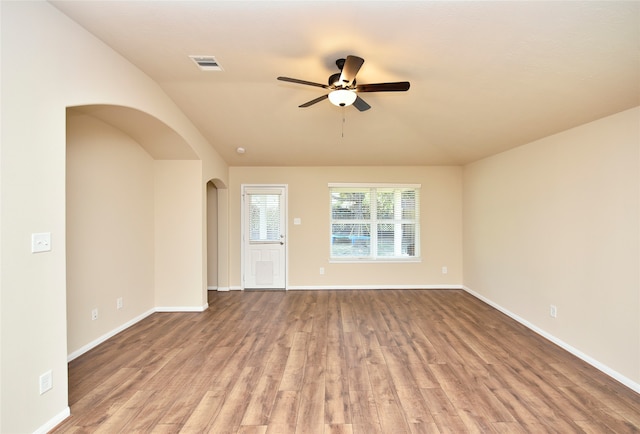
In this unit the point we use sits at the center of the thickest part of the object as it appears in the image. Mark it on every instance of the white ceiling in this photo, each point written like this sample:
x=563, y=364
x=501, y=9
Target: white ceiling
x=485, y=76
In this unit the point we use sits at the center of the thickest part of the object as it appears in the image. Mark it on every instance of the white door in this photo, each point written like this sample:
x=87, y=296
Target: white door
x=264, y=237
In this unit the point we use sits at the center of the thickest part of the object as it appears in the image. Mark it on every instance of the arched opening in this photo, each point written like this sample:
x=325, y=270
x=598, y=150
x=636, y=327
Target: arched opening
x=133, y=205
x=212, y=236
x=216, y=238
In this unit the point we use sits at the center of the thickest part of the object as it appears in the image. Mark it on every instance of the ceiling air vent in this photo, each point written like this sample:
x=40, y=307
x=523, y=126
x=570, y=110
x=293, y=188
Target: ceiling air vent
x=207, y=63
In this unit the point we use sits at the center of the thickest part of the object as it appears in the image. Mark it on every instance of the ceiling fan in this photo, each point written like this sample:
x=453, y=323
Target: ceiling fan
x=343, y=88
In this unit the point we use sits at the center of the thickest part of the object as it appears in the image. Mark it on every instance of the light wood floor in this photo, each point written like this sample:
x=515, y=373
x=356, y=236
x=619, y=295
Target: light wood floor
x=384, y=361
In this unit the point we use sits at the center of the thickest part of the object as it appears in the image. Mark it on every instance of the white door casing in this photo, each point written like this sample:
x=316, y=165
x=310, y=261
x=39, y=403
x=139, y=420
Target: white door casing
x=264, y=236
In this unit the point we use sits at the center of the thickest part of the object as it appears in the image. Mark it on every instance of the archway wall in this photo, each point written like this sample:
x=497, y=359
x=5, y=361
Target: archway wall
x=212, y=236
x=218, y=235
x=50, y=63
x=110, y=214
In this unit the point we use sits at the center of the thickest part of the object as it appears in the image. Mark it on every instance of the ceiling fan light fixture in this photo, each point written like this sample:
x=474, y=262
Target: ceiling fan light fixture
x=342, y=97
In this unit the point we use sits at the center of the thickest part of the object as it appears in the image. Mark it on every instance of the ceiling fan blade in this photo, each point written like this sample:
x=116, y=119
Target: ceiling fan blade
x=313, y=101
x=399, y=86
x=308, y=83
x=350, y=69
x=361, y=105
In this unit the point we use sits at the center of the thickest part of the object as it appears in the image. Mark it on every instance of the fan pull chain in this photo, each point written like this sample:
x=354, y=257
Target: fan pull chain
x=343, y=121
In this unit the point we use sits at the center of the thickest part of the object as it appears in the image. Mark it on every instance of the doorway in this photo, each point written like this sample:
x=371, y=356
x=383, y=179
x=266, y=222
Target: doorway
x=264, y=235
x=212, y=236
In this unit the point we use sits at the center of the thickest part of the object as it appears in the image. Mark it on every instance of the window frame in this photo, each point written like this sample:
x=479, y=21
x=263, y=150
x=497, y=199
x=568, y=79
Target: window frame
x=374, y=221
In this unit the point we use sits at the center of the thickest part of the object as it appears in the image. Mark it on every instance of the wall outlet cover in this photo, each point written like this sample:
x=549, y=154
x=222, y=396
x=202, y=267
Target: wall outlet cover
x=46, y=382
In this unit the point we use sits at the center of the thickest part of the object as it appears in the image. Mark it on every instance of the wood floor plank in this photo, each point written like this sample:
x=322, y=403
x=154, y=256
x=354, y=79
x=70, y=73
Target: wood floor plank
x=285, y=412
x=124, y=414
x=336, y=405
x=326, y=362
x=415, y=408
x=229, y=418
x=390, y=415
x=311, y=414
x=263, y=396
x=604, y=392
x=181, y=408
x=517, y=405
x=508, y=428
x=151, y=412
x=363, y=408
x=368, y=428
x=338, y=429
x=399, y=367
x=165, y=428
x=311, y=410
x=204, y=413
x=294, y=369
x=606, y=419
x=252, y=429
x=280, y=429
x=475, y=405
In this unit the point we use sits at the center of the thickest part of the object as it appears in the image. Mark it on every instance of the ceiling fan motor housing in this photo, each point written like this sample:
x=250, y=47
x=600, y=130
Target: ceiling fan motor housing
x=334, y=81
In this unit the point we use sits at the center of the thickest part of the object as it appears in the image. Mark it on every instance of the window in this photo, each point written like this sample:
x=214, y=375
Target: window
x=375, y=222
x=264, y=217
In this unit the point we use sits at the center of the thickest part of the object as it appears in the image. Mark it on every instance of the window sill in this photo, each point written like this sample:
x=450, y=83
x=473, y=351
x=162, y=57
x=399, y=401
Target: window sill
x=411, y=260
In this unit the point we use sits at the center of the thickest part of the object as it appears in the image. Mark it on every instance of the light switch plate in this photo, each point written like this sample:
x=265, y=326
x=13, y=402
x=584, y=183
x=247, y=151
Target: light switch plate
x=41, y=242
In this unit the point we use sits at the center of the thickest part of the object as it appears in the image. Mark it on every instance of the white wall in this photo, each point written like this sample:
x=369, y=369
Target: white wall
x=50, y=63
x=557, y=222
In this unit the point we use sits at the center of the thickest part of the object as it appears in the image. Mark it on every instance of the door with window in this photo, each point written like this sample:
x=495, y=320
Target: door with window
x=264, y=237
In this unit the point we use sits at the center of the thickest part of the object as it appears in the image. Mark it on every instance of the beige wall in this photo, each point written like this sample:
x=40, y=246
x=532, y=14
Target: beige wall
x=308, y=199
x=80, y=70
x=557, y=222
x=110, y=229
x=179, y=236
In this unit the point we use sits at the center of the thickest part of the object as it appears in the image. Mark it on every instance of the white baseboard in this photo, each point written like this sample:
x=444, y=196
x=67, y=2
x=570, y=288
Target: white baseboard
x=585, y=357
x=108, y=335
x=223, y=288
x=366, y=287
x=212, y=288
x=53, y=422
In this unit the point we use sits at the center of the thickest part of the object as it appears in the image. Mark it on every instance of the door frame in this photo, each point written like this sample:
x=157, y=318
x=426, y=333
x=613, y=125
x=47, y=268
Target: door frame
x=243, y=223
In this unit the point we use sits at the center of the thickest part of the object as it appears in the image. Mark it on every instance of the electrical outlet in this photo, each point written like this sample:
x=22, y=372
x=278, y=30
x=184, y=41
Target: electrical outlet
x=321, y=270
x=94, y=314
x=553, y=311
x=46, y=382
x=119, y=303
x=445, y=270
